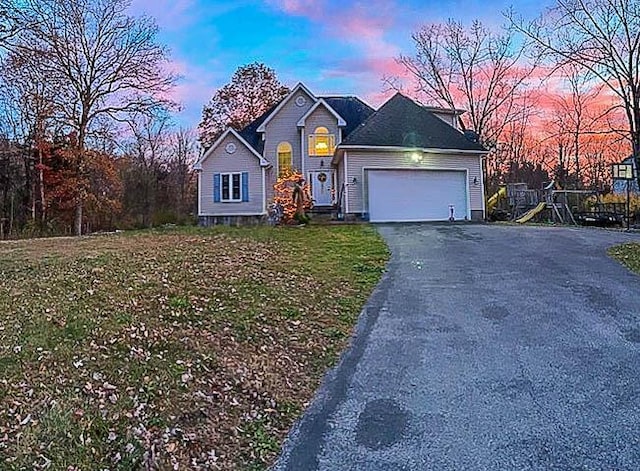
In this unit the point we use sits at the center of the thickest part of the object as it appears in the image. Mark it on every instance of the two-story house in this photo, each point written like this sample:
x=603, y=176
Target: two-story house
x=403, y=162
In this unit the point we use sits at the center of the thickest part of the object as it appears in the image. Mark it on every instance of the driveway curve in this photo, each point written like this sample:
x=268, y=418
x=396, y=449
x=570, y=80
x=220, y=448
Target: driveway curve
x=485, y=347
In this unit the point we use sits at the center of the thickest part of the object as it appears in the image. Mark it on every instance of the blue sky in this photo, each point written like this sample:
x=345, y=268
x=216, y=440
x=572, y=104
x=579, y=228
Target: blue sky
x=334, y=47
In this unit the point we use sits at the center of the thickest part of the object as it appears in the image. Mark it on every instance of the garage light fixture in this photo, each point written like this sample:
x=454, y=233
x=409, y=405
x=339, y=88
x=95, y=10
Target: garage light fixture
x=354, y=181
x=416, y=157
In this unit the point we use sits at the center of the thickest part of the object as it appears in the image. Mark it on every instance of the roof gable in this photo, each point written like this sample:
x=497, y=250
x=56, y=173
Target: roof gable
x=300, y=86
x=209, y=152
x=401, y=122
x=352, y=109
x=322, y=102
x=249, y=132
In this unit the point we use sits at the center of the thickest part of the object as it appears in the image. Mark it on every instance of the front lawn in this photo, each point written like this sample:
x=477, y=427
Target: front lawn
x=187, y=347
x=628, y=255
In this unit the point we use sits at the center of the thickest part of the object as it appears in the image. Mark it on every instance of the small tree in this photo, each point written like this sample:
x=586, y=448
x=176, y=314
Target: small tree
x=284, y=195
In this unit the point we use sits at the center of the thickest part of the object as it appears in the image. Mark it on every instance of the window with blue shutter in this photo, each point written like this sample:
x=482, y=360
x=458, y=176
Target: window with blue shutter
x=216, y=187
x=231, y=187
x=245, y=187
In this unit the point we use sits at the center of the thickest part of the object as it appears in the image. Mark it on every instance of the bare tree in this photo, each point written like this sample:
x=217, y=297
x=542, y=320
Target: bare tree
x=184, y=153
x=109, y=64
x=601, y=36
x=8, y=25
x=32, y=98
x=148, y=151
x=471, y=68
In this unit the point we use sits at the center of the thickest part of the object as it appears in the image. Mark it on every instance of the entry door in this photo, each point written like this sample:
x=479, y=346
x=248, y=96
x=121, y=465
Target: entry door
x=321, y=187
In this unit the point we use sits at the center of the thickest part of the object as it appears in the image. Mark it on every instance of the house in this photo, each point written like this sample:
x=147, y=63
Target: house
x=401, y=163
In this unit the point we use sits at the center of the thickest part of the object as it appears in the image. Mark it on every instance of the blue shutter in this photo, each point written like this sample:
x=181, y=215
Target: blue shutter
x=245, y=187
x=216, y=187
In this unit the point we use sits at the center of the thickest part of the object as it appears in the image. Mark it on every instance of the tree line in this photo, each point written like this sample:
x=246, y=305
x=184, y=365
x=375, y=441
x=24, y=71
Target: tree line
x=556, y=97
x=86, y=140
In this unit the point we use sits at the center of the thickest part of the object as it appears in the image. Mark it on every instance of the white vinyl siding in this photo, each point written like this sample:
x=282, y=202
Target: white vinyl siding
x=357, y=161
x=221, y=162
x=448, y=118
x=320, y=117
x=283, y=128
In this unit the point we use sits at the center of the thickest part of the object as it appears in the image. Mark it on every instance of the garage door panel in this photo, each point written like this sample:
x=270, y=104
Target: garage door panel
x=416, y=195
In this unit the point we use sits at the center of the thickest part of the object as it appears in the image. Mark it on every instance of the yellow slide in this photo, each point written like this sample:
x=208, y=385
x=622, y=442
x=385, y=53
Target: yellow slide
x=531, y=213
x=493, y=201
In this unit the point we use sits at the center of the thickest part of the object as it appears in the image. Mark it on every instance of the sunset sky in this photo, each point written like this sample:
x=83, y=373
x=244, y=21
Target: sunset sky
x=333, y=46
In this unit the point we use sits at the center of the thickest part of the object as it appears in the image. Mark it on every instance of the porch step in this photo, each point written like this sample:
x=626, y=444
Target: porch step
x=321, y=210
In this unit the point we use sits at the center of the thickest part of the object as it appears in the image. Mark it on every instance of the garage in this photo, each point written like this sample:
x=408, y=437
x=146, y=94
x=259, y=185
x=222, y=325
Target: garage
x=416, y=195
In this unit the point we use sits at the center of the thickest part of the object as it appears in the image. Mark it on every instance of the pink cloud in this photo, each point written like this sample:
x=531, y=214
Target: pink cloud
x=169, y=14
x=193, y=89
x=364, y=27
x=306, y=8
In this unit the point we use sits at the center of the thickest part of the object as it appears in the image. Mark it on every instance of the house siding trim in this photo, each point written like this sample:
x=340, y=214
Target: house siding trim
x=484, y=191
x=432, y=150
x=264, y=190
x=302, y=150
x=341, y=121
x=199, y=192
x=222, y=138
x=346, y=185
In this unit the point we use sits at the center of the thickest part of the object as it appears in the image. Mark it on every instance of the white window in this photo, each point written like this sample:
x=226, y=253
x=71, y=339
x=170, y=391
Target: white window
x=285, y=158
x=230, y=186
x=321, y=143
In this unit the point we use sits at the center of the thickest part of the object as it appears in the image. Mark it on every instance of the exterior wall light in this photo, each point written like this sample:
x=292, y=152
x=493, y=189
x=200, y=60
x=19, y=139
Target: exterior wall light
x=475, y=181
x=416, y=157
x=354, y=181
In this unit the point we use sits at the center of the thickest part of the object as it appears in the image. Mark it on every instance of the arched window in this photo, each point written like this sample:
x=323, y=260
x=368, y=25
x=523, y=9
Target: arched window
x=321, y=143
x=285, y=157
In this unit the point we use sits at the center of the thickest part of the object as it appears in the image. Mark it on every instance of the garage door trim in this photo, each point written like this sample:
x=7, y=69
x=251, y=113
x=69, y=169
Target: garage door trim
x=365, y=186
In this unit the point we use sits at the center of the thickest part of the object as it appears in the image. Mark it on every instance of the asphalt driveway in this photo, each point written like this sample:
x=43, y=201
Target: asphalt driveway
x=485, y=347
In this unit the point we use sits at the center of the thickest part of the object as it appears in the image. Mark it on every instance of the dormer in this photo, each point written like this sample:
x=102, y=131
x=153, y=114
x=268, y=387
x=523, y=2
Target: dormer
x=451, y=116
x=323, y=127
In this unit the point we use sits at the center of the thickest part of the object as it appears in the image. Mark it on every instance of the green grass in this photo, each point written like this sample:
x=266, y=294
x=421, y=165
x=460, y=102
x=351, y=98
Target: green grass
x=202, y=345
x=628, y=255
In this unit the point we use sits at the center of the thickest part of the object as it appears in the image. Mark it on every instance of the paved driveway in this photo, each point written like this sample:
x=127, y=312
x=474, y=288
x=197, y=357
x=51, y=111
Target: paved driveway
x=485, y=347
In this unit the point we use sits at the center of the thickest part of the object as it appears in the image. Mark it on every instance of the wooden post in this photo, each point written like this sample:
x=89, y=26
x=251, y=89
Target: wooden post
x=628, y=201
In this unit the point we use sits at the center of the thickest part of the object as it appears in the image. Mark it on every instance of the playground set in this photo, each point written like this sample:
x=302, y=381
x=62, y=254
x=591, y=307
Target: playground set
x=516, y=202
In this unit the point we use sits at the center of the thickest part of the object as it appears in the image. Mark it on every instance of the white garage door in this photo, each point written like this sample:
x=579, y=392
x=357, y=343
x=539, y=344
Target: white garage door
x=416, y=195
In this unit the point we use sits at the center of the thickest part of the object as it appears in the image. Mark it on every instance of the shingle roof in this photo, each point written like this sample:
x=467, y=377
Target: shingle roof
x=352, y=109
x=249, y=133
x=401, y=122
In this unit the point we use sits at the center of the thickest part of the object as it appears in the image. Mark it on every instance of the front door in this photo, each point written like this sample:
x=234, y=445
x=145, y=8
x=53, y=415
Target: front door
x=321, y=182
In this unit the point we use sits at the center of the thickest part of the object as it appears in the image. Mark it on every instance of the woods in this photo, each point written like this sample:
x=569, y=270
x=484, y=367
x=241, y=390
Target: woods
x=77, y=76
x=553, y=98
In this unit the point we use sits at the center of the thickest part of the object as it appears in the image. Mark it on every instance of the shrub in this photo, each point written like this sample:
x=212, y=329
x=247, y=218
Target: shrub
x=283, y=196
